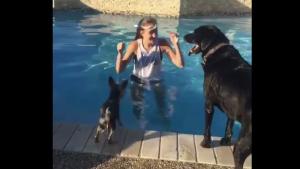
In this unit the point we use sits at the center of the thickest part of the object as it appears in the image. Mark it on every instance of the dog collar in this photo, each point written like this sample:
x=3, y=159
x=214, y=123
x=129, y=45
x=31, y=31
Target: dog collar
x=213, y=50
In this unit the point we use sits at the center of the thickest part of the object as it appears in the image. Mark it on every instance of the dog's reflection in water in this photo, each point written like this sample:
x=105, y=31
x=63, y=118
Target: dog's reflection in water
x=164, y=109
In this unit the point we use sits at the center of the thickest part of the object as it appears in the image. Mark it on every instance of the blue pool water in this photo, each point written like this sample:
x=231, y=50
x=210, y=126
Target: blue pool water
x=84, y=53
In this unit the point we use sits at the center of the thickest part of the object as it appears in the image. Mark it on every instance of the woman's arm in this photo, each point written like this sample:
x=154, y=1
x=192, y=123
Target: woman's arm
x=175, y=57
x=123, y=60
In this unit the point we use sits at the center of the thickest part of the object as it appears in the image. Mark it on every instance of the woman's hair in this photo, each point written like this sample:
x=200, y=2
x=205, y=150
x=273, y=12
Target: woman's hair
x=143, y=22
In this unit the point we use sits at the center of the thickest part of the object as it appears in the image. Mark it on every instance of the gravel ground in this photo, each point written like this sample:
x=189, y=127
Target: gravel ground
x=72, y=160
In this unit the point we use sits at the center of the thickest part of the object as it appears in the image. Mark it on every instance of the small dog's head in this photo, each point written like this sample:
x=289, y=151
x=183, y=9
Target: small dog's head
x=204, y=37
x=116, y=90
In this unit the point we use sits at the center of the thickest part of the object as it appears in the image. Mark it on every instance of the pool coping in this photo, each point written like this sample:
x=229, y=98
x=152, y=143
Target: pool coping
x=144, y=144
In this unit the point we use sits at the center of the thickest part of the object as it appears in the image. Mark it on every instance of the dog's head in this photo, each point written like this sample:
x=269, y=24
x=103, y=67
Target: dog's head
x=204, y=38
x=116, y=90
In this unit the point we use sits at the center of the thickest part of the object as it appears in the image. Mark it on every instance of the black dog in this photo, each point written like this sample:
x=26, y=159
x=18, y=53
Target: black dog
x=110, y=110
x=227, y=85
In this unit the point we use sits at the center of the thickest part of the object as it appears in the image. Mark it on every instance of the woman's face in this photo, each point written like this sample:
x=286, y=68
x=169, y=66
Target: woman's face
x=149, y=33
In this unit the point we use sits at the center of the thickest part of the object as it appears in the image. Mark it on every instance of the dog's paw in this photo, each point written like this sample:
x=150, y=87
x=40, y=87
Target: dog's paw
x=225, y=141
x=110, y=141
x=96, y=139
x=120, y=124
x=206, y=143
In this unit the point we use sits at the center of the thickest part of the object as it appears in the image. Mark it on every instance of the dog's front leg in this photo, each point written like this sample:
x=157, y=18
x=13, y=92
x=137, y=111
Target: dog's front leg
x=118, y=118
x=97, y=134
x=209, y=112
x=110, y=132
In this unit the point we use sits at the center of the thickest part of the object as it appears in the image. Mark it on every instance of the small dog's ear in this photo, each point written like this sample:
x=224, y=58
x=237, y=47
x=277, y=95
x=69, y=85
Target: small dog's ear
x=107, y=114
x=123, y=87
x=111, y=82
x=123, y=84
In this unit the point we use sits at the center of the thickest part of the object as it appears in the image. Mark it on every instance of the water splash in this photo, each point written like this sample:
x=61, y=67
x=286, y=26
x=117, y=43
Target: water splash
x=172, y=92
x=94, y=65
x=230, y=34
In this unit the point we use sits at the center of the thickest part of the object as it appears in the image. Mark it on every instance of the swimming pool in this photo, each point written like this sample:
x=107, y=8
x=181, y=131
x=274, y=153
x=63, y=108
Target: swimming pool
x=84, y=53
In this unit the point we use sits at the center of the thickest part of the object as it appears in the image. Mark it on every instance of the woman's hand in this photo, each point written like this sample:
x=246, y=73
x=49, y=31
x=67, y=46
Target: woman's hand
x=174, y=37
x=120, y=47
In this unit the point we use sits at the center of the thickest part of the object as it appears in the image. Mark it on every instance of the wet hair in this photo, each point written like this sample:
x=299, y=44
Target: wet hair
x=143, y=22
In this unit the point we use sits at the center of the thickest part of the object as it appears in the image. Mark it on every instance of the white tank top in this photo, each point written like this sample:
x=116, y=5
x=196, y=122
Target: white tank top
x=147, y=65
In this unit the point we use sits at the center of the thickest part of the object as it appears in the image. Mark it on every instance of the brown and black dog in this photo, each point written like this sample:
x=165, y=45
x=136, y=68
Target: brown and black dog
x=110, y=110
x=227, y=85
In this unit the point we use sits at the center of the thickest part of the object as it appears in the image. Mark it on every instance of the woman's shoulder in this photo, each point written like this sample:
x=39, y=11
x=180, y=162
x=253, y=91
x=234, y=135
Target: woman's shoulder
x=132, y=47
x=133, y=44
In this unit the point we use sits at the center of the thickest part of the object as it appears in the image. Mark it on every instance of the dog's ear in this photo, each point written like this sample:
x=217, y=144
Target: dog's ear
x=123, y=84
x=207, y=35
x=111, y=82
x=107, y=114
x=210, y=35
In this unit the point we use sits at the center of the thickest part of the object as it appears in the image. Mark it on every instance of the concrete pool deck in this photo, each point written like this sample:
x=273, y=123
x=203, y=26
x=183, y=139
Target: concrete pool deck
x=146, y=144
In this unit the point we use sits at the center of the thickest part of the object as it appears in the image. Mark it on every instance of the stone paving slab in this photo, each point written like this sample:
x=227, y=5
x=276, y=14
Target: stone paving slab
x=118, y=140
x=79, y=138
x=62, y=136
x=150, y=145
x=204, y=155
x=144, y=144
x=168, y=146
x=223, y=154
x=132, y=144
x=93, y=147
x=186, y=148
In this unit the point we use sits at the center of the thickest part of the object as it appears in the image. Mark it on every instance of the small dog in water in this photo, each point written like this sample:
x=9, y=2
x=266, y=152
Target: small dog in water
x=110, y=110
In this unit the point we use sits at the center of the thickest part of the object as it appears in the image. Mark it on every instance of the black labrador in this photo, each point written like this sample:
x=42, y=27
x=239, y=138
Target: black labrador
x=227, y=85
x=109, y=111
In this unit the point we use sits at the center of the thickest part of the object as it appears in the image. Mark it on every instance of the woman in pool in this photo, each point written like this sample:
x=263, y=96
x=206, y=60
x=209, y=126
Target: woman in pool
x=146, y=52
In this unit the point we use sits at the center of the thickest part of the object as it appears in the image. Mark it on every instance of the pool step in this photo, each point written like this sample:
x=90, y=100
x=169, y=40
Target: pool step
x=143, y=144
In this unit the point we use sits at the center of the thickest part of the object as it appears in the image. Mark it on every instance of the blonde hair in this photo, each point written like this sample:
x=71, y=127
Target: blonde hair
x=143, y=22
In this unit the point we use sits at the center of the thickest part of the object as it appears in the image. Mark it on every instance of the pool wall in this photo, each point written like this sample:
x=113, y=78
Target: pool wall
x=165, y=8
